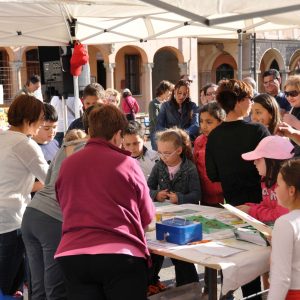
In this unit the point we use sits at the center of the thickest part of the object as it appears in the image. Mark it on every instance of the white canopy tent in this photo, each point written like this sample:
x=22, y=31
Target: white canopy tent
x=59, y=22
x=47, y=22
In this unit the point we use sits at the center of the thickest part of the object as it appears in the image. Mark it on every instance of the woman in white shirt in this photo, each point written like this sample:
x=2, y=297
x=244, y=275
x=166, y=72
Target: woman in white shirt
x=21, y=161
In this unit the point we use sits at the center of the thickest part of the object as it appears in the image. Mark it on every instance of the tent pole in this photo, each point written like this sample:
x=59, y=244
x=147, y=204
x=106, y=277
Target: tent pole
x=240, y=54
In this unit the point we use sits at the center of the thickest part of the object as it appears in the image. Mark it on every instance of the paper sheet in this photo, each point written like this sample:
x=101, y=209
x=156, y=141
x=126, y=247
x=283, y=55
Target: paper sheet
x=218, y=249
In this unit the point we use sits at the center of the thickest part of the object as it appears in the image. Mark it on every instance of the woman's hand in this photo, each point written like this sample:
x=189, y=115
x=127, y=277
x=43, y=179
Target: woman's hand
x=173, y=197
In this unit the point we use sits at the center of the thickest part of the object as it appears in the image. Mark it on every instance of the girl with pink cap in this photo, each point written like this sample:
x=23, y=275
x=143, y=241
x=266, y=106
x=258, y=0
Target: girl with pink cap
x=268, y=157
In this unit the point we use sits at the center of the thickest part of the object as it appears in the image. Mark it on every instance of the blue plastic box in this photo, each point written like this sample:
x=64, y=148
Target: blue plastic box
x=179, y=231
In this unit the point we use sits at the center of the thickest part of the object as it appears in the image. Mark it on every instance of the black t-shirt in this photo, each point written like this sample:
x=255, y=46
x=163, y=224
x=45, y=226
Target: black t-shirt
x=239, y=178
x=296, y=112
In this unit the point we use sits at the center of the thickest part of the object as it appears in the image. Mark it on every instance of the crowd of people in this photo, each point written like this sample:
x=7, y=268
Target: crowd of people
x=75, y=204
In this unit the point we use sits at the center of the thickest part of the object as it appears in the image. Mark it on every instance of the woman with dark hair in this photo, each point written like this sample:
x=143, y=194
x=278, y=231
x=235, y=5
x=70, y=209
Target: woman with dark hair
x=179, y=111
x=239, y=179
x=21, y=162
x=265, y=110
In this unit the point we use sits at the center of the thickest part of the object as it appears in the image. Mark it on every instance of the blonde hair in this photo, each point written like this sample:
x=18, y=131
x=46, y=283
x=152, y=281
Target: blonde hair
x=112, y=92
x=179, y=138
x=74, y=134
x=293, y=80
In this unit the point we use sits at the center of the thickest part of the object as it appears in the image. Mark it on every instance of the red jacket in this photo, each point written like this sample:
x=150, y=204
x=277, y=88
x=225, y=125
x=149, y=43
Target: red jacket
x=104, y=199
x=211, y=191
x=268, y=210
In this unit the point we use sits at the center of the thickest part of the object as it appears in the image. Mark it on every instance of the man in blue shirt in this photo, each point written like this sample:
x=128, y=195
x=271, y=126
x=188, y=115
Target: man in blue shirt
x=272, y=81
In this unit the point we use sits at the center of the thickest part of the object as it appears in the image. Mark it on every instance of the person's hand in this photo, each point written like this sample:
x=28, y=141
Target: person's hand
x=284, y=129
x=244, y=208
x=173, y=198
x=162, y=195
x=290, y=119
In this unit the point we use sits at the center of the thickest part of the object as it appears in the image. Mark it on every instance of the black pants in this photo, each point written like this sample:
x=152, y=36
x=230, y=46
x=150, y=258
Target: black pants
x=105, y=276
x=12, y=266
x=184, y=272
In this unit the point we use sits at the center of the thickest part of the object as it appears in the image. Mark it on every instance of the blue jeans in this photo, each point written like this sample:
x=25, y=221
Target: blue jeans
x=153, y=140
x=11, y=261
x=41, y=235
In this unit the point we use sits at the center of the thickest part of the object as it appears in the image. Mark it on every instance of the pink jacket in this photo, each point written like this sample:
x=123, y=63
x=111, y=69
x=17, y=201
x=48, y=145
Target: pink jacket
x=268, y=210
x=104, y=199
x=211, y=191
x=132, y=103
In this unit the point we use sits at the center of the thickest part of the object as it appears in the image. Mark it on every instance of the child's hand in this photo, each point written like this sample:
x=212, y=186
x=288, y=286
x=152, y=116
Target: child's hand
x=244, y=208
x=173, y=198
x=162, y=195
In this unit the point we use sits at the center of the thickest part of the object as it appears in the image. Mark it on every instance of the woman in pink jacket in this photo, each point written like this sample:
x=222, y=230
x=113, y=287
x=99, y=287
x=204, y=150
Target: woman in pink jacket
x=129, y=105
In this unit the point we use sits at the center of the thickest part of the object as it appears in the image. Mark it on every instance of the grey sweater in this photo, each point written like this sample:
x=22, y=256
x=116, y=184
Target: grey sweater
x=45, y=200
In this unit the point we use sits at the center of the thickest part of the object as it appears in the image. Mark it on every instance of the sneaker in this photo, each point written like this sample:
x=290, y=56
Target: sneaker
x=18, y=294
x=156, y=288
x=161, y=286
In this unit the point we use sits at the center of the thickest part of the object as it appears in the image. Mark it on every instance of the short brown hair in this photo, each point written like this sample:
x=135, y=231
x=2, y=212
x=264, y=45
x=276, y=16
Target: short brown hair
x=106, y=121
x=294, y=81
x=94, y=89
x=25, y=108
x=232, y=91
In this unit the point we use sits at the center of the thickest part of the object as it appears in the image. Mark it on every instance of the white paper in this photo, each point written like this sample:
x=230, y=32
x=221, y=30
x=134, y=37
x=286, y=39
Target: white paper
x=218, y=249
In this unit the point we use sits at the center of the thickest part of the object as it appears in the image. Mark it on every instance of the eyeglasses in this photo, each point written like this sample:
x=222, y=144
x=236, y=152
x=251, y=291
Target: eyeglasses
x=291, y=93
x=166, y=155
x=211, y=94
x=272, y=81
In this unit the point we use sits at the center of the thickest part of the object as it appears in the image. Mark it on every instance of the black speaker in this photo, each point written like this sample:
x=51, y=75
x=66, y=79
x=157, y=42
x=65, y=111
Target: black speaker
x=49, y=54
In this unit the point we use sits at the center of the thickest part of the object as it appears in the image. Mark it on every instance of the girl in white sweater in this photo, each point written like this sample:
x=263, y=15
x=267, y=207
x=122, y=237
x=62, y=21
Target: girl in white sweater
x=285, y=257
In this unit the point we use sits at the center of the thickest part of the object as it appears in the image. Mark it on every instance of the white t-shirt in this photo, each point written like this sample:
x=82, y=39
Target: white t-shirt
x=285, y=257
x=70, y=102
x=21, y=160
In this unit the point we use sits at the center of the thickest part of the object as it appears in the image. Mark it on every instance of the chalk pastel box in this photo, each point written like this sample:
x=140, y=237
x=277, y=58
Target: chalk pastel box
x=178, y=231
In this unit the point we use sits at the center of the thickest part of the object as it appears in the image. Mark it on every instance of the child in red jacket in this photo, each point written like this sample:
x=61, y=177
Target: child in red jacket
x=210, y=116
x=268, y=157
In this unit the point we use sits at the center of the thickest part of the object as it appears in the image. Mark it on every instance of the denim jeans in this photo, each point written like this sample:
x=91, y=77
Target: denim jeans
x=153, y=140
x=11, y=261
x=41, y=235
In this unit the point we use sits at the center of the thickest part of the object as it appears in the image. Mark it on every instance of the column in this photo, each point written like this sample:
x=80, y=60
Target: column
x=183, y=68
x=284, y=75
x=148, y=84
x=109, y=67
x=16, y=80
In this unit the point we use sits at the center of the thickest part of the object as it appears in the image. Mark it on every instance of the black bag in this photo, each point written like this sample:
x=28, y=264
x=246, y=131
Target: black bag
x=131, y=116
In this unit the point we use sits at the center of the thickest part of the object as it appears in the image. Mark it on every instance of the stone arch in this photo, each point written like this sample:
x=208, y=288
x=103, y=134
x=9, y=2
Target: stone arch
x=294, y=62
x=131, y=63
x=168, y=65
x=223, y=59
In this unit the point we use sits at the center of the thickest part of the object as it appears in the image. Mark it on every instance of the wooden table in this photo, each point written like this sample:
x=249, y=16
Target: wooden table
x=237, y=269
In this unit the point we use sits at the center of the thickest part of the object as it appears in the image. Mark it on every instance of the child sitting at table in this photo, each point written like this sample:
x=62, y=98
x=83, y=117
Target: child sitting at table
x=285, y=256
x=268, y=156
x=175, y=178
x=210, y=116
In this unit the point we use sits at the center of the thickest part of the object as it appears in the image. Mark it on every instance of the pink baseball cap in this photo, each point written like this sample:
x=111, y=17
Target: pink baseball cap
x=273, y=146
